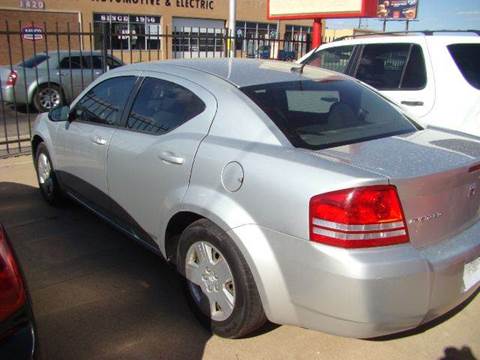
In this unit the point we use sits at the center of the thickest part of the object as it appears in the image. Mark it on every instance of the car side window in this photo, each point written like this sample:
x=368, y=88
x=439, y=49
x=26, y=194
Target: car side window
x=105, y=102
x=94, y=62
x=336, y=58
x=71, y=62
x=85, y=62
x=415, y=76
x=392, y=66
x=161, y=106
x=113, y=63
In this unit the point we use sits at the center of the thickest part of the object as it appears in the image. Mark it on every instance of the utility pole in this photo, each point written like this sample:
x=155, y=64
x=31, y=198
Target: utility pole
x=231, y=28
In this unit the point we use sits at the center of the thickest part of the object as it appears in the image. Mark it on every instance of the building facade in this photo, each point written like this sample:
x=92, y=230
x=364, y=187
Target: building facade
x=143, y=29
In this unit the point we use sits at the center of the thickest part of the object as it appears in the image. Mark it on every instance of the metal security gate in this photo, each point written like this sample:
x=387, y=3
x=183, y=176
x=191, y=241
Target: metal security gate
x=51, y=64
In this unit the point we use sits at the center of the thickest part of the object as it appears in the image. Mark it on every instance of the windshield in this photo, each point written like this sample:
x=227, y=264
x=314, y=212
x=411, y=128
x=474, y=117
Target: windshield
x=467, y=57
x=33, y=61
x=317, y=114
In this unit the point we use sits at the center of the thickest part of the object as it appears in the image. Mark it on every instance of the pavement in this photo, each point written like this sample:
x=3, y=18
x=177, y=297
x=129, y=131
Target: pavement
x=98, y=295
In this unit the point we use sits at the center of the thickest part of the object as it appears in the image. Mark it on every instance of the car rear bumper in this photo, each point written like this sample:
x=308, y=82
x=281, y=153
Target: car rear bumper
x=13, y=95
x=357, y=293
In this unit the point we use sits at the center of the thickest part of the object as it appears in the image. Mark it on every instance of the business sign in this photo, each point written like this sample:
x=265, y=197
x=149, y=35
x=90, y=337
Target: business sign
x=33, y=33
x=325, y=9
x=397, y=9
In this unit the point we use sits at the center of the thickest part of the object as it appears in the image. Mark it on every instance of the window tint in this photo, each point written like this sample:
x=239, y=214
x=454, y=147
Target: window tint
x=328, y=113
x=81, y=62
x=112, y=63
x=467, y=57
x=105, y=102
x=335, y=59
x=33, y=61
x=382, y=66
x=161, y=106
x=415, y=76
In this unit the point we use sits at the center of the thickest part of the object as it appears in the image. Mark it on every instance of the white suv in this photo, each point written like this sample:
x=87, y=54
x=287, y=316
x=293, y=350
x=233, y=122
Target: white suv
x=435, y=78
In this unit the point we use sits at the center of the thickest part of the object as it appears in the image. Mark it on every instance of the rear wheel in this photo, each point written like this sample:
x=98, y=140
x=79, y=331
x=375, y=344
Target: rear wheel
x=218, y=283
x=46, y=176
x=47, y=97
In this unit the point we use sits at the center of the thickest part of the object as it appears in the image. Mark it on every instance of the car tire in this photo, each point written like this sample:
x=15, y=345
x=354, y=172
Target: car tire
x=47, y=179
x=230, y=309
x=47, y=97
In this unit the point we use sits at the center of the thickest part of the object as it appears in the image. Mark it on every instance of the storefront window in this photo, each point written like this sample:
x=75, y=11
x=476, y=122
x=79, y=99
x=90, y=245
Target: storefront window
x=197, y=40
x=254, y=38
x=297, y=38
x=125, y=32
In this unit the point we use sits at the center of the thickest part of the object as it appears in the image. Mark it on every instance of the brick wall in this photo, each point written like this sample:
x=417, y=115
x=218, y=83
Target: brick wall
x=14, y=44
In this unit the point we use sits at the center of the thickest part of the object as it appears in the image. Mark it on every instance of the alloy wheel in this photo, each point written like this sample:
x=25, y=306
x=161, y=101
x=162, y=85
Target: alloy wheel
x=210, y=280
x=49, y=98
x=45, y=173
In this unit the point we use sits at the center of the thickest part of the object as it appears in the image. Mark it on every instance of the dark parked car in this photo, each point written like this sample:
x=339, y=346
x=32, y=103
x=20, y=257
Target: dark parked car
x=17, y=329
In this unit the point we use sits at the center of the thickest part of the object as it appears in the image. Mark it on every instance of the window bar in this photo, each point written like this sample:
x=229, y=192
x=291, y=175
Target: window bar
x=70, y=59
x=13, y=88
x=81, y=58
x=130, y=42
x=5, y=129
x=60, y=74
x=166, y=41
x=91, y=50
x=158, y=41
x=25, y=77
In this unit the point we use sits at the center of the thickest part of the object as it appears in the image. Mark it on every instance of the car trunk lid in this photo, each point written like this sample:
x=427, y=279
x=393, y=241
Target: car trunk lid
x=437, y=175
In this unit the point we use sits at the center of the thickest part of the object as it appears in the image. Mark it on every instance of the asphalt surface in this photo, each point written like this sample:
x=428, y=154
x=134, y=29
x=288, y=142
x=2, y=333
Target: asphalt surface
x=98, y=295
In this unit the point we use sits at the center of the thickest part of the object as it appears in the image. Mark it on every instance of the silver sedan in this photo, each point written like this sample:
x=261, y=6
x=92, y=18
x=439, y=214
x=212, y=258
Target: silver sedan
x=302, y=197
x=50, y=80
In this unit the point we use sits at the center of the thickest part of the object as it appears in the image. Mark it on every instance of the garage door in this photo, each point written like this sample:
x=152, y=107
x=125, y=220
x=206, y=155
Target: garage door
x=194, y=38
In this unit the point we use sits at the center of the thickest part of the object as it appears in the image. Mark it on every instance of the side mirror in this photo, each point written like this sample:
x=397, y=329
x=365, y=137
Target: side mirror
x=59, y=114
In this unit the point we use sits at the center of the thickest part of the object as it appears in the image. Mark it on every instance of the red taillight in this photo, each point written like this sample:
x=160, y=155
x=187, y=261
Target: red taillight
x=358, y=218
x=12, y=78
x=12, y=291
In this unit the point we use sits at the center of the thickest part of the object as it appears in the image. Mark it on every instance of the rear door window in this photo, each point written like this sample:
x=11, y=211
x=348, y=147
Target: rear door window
x=392, y=67
x=467, y=58
x=161, y=106
x=335, y=111
x=336, y=58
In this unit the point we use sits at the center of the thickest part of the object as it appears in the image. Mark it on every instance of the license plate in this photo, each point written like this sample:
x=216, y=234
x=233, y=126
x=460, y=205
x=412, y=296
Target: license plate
x=471, y=273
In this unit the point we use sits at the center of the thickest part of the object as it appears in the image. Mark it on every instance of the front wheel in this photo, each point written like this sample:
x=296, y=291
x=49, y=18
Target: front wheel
x=218, y=283
x=46, y=176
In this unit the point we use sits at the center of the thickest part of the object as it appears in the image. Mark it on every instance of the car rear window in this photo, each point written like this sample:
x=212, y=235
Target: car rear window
x=33, y=61
x=317, y=114
x=467, y=57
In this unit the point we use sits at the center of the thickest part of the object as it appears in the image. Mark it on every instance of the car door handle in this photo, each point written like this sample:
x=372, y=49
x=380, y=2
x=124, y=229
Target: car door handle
x=413, y=103
x=99, y=140
x=171, y=158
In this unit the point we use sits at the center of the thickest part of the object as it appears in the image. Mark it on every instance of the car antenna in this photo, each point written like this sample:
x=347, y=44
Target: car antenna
x=299, y=69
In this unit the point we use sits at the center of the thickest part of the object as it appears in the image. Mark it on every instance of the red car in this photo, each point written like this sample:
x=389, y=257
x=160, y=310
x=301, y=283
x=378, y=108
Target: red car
x=17, y=328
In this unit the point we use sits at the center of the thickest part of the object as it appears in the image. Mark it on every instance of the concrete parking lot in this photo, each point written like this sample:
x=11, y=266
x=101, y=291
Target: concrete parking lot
x=98, y=295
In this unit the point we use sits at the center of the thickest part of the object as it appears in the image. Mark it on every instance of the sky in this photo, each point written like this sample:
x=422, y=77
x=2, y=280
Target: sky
x=432, y=15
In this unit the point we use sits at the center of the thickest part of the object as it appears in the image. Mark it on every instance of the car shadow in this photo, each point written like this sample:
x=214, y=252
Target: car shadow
x=96, y=293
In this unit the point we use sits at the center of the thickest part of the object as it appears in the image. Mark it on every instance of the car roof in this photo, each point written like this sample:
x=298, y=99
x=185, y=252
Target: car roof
x=381, y=39
x=239, y=72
